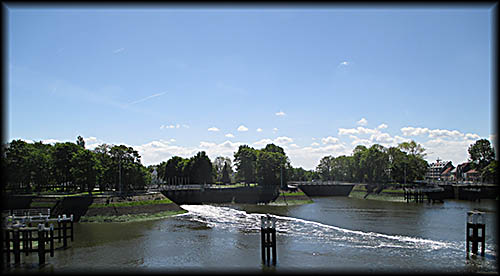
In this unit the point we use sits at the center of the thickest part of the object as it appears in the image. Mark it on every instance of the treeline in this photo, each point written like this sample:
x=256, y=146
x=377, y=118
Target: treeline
x=262, y=166
x=376, y=164
x=69, y=167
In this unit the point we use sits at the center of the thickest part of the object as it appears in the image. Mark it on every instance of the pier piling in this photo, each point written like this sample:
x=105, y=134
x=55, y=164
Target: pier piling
x=475, y=222
x=268, y=239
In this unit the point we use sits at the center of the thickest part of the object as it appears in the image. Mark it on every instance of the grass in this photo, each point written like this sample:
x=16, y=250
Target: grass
x=293, y=194
x=381, y=196
x=130, y=203
x=130, y=218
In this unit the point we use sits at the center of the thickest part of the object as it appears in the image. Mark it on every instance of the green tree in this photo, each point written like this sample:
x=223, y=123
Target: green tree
x=17, y=163
x=85, y=169
x=245, y=160
x=175, y=168
x=325, y=168
x=225, y=173
x=200, y=169
x=481, y=153
x=62, y=154
x=106, y=167
x=80, y=142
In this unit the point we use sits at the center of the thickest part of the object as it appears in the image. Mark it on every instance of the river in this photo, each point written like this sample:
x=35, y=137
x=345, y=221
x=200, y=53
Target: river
x=331, y=234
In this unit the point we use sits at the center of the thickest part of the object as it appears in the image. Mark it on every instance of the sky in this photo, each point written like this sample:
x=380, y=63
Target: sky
x=317, y=81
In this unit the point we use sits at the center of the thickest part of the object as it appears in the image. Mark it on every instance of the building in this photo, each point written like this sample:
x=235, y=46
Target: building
x=435, y=170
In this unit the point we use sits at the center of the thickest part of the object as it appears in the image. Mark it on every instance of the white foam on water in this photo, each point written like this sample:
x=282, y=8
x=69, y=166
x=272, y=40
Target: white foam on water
x=234, y=220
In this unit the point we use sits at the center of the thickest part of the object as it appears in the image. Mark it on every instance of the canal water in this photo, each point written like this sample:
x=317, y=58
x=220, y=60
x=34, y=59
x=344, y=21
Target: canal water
x=331, y=234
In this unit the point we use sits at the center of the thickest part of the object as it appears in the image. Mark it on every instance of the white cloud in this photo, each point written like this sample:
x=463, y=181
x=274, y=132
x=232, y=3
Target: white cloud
x=118, y=50
x=315, y=144
x=213, y=129
x=381, y=126
x=362, y=122
x=358, y=130
x=281, y=113
x=330, y=140
x=169, y=126
x=242, y=128
x=283, y=140
x=275, y=129
x=344, y=63
x=294, y=146
x=229, y=135
x=259, y=129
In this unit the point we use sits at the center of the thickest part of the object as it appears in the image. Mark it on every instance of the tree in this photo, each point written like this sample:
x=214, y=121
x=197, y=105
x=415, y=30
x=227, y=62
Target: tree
x=85, y=169
x=325, y=168
x=489, y=173
x=200, y=169
x=219, y=165
x=80, y=142
x=17, y=163
x=175, y=168
x=106, y=169
x=245, y=160
x=225, y=173
x=62, y=154
x=481, y=153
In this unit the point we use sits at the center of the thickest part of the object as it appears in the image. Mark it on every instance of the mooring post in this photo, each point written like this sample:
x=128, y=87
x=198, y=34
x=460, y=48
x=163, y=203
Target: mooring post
x=263, y=238
x=273, y=242
x=41, y=245
x=51, y=240
x=16, y=246
x=475, y=222
x=7, y=244
x=59, y=228
x=65, y=235
x=24, y=235
x=71, y=225
x=268, y=239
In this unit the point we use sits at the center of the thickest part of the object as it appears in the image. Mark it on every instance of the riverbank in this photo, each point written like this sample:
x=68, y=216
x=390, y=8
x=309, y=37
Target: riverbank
x=291, y=198
x=99, y=207
x=133, y=208
x=389, y=194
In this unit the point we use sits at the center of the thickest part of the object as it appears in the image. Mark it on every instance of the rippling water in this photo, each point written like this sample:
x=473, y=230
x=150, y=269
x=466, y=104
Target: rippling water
x=330, y=234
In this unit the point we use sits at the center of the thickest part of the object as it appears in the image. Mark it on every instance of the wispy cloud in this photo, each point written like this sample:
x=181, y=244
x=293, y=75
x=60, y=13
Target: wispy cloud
x=259, y=129
x=213, y=129
x=281, y=113
x=229, y=135
x=118, y=50
x=362, y=122
x=242, y=128
x=146, y=98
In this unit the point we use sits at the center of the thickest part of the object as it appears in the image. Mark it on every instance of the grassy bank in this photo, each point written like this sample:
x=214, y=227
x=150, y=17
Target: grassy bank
x=393, y=195
x=130, y=218
x=291, y=198
x=130, y=203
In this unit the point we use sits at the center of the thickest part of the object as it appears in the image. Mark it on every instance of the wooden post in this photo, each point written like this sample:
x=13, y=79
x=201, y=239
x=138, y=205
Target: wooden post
x=263, y=238
x=41, y=245
x=475, y=221
x=59, y=228
x=71, y=225
x=7, y=244
x=268, y=239
x=65, y=236
x=273, y=242
x=51, y=240
x=16, y=246
x=25, y=241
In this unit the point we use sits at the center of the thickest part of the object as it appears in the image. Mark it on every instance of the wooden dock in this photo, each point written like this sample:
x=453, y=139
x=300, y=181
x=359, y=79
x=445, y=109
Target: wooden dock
x=20, y=235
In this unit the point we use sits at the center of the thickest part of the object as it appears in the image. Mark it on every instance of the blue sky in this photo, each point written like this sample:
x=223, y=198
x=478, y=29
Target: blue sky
x=317, y=81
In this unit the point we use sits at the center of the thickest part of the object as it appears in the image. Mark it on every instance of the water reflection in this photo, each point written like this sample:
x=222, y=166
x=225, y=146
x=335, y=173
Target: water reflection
x=332, y=233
